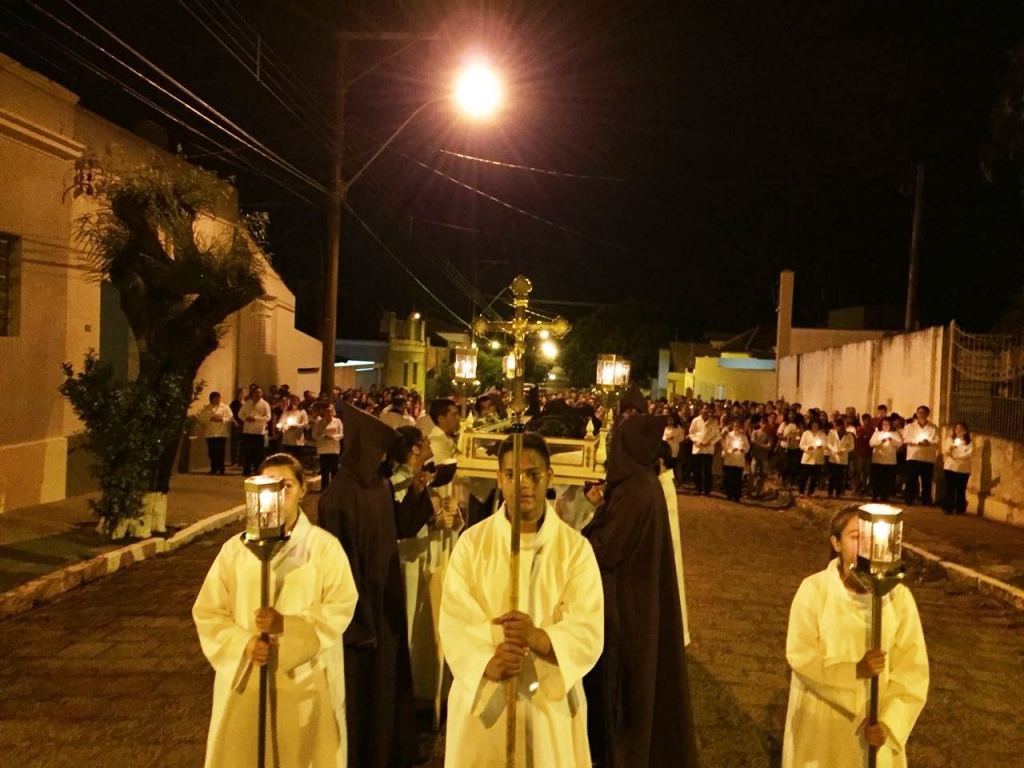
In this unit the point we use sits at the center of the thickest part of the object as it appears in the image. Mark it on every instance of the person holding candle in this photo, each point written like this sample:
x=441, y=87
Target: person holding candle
x=292, y=425
x=826, y=647
x=704, y=434
x=812, y=444
x=314, y=600
x=789, y=446
x=838, y=446
x=922, y=440
x=734, y=458
x=885, y=442
x=956, y=468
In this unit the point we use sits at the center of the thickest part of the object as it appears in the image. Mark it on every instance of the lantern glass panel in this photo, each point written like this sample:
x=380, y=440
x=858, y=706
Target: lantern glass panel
x=509, y=364
x=264, y=507
x=465, y=363
x=880, y=537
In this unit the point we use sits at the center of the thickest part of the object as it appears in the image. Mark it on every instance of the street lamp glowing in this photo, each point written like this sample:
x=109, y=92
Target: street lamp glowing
x=495, y=344
x=549, y=349
x=478, y=91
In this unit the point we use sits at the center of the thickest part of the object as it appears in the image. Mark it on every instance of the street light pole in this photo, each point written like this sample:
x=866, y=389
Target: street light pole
x=334, y=213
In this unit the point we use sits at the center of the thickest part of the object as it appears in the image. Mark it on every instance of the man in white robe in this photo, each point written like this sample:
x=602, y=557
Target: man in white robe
x=827, y=649
x=549, y=645
x=313, y=589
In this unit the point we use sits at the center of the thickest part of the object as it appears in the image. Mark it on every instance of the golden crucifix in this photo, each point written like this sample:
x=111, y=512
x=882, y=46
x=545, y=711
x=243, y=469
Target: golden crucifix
x=519, y=328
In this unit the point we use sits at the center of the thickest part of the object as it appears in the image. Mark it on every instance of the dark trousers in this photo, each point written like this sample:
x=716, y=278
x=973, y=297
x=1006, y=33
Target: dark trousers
x=216, y=447
x=883, y=481
x=919, y=480
x=836, y=479
x=732, y=482
x=252, y=454
x=791, y=469
x=955, y=502
x=702, y=478
x=328, y=469
x=809, y=475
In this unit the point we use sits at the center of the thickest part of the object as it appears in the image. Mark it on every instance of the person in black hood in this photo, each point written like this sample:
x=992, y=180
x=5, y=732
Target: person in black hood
x=638, y=694
x=359, y=508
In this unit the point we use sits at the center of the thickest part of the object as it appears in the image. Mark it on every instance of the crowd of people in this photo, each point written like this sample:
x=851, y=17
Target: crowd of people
x=399, y=595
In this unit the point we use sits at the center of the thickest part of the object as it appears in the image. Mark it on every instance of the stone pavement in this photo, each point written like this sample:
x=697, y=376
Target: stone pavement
x=111, y=674
x=46, y=549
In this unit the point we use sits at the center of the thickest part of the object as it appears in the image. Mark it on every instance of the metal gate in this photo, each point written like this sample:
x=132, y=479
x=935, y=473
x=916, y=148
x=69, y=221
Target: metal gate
x=986, y=385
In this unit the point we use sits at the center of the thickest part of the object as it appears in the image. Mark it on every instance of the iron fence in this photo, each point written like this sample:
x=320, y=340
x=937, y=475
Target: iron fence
x=986, y=385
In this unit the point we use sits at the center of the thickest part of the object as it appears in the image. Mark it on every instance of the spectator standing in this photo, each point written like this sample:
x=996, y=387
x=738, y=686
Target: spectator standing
x=704, y=434
x=885, y=442
x=922, y=440
x=734, y=458
x=860, y=460
x=216, y=419
x=812, y=446
x=327, y=433
x=255, y=415
x=956, y=467
x=292, y=426
x=236, y=426
x=838, y=446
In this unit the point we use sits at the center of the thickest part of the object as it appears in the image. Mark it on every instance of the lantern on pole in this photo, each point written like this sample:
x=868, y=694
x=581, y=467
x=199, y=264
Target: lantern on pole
x=508, y=365
x=264, y=535
x=465, y=363
x=612, y=372
x=879, y=569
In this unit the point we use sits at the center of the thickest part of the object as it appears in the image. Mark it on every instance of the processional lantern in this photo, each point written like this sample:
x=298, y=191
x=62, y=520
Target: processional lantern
x=880, y=543
x=264, y=508
x=465, y=363
x=508, y=365
x=879, y=570
x=612, y=372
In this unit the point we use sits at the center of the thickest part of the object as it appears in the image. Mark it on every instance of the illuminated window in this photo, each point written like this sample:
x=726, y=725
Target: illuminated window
x=10, y=281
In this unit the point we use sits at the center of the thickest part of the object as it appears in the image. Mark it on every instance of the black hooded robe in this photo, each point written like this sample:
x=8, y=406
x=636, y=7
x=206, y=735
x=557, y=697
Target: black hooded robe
x=359, y=508
x=639, y=693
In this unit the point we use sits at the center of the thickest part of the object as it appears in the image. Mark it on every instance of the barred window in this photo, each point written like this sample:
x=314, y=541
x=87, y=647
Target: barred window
x=9, y=284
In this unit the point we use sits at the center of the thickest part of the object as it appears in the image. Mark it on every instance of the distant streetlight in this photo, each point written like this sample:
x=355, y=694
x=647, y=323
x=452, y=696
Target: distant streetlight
x=549, y=349
x=495, y=344
x=477, y=92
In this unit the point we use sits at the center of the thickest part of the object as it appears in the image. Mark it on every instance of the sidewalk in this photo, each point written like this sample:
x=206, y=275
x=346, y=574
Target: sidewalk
x=47, y=549
x=980, y=553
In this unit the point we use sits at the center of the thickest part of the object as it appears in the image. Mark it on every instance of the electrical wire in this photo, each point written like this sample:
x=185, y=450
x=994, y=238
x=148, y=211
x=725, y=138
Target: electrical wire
x=406, y=269
x=238, y=134
x=544, y=171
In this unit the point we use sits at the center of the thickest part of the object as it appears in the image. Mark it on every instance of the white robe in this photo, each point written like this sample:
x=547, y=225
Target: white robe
x=560, y=588
x=668, y=485
x=829, y=632
x=312, y=587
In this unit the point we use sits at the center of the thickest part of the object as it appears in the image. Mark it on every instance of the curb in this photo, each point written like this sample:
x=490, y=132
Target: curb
x=958, y=574
x=27, y=596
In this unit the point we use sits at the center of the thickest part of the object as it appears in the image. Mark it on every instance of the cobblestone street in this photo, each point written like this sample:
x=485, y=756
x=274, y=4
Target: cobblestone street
x=112, y=675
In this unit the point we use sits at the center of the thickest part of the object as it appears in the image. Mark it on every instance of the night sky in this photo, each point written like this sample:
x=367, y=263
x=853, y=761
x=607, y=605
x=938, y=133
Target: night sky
x=691, y=150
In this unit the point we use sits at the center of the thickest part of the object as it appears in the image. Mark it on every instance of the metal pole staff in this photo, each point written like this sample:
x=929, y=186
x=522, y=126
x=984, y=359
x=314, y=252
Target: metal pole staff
x=519, y=327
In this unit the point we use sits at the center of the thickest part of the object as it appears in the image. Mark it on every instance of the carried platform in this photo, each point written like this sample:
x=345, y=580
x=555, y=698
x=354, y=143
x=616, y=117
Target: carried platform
x=574, y=462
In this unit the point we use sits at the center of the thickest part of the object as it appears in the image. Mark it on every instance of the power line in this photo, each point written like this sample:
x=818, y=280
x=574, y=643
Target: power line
x=544, y=171
x=249, y=140
x=408, y=271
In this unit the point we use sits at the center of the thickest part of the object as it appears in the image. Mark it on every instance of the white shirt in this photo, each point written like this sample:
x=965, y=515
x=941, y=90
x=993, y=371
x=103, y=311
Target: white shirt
x=560, y=588
x=838, y=448
x=261, y=417
x=813, y=446
x=328, y=434
x=293, y=427
x=957, y=457
x=704, y=435
x=216, y=429
x=734, y=449
x=394, y=419
x=914, y=434
x=884, y=446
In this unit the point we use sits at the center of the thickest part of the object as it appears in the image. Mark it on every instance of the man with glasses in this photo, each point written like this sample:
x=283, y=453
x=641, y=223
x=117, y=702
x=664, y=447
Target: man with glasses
x=549, y=644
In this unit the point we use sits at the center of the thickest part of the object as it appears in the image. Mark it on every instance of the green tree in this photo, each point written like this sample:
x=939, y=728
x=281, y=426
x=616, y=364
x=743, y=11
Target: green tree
x=633, y=329
x=176, y=286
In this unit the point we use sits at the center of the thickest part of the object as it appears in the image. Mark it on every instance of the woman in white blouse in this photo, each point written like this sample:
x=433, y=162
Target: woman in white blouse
x=838, y=447
x=885, y=442
x=812, y=444
x=957, y=452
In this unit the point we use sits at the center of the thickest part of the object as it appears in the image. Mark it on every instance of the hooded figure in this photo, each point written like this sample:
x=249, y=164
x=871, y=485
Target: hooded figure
x=638, y=694
x=359, y=508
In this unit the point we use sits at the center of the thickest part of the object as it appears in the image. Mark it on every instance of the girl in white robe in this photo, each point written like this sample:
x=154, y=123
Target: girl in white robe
x=827, y=649
x=313, y=599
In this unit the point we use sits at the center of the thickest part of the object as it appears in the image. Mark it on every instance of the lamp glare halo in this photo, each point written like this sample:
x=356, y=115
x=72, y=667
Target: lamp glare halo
x=477, y=91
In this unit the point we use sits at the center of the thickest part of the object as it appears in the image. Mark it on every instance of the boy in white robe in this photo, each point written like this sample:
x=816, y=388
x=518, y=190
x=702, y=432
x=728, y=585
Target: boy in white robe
x=827, y=649
x=314, y=599
x=549, y=645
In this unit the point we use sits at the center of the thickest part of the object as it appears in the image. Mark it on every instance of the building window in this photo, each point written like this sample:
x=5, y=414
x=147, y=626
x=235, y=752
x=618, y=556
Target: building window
x=415, y=373
x=405, y=374
x=10, y=282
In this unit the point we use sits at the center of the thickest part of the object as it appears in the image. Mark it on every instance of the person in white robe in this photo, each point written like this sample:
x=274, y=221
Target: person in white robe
x=313, y=600
x=666, y=476
x=549, y=644
x=827, y=649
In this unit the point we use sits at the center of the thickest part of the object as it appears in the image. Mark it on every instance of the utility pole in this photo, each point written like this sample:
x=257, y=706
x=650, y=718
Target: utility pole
x=335, y=210
x=910, y=319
